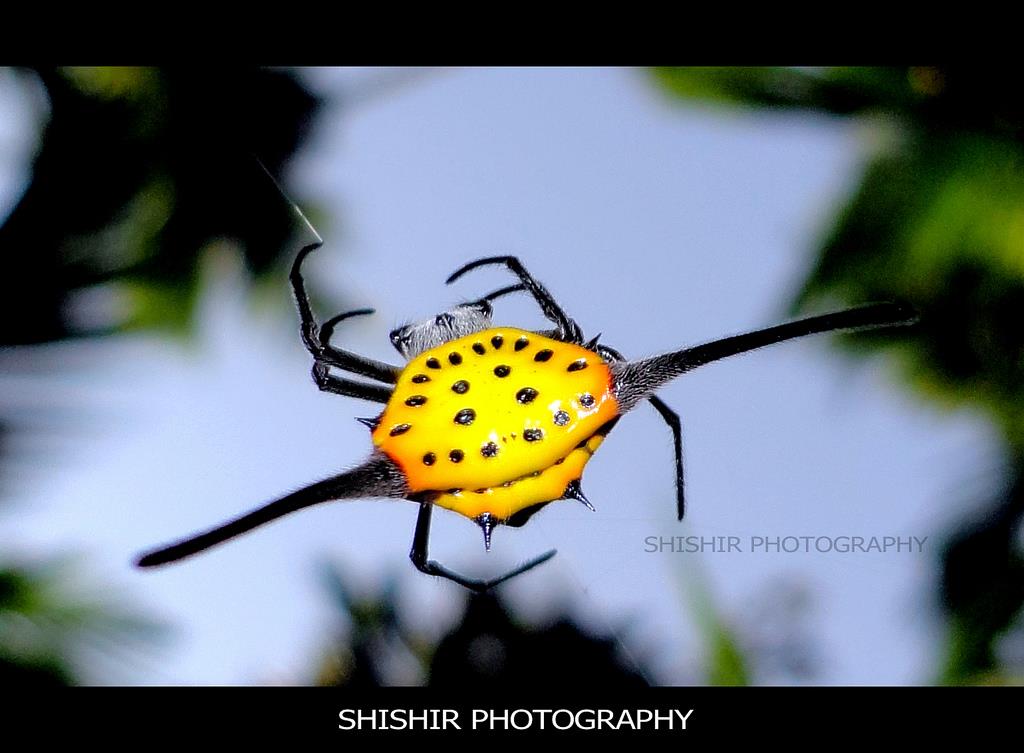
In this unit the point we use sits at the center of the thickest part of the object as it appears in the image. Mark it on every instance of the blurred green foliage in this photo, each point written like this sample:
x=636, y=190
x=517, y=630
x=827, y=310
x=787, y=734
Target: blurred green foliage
x=724, y=660
x=139, y=171
x=937, y=219
x=51, y=635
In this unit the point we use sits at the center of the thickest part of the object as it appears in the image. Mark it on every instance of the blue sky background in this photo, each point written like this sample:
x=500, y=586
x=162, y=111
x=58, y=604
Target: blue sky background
x=655, y=223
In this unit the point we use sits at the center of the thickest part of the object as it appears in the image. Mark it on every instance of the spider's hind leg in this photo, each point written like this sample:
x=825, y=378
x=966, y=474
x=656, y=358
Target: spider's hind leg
x=421, y=559
x=670, y=417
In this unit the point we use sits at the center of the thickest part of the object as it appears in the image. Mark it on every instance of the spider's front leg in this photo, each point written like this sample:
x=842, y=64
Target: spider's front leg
x=421, y=559
x=326, y=356
x=670, y=417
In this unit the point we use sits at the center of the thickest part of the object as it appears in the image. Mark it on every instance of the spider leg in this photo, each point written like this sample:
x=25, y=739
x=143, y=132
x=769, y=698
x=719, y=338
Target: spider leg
x=568, y=330
x=518, y=287
x=638, y=380
x=327, y=382
x=421, y=559
x=377, y=477
x=348, y=387
x=322, y=352
x=671, y=418
x=328, y=327
x=501, y=292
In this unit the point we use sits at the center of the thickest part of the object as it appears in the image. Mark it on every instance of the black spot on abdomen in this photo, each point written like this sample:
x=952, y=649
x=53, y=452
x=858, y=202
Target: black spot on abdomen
x=526, y=395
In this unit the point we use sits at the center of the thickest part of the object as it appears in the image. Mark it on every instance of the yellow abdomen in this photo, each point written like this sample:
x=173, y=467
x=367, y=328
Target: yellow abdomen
x=496, y=421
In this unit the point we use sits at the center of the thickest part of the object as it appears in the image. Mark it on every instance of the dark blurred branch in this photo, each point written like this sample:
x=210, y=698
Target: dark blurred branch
x=487, y=648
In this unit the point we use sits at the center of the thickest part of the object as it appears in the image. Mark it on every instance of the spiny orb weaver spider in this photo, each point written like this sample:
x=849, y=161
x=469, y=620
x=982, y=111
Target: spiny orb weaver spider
x=493, y=422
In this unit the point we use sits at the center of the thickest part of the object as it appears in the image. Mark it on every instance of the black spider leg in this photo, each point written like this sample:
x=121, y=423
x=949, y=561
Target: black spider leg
x=421, y=559
x=377, y=477
x=328, y=327
x=325, y=356
x=568, y=330
x=671, y=418
x=490, y=297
